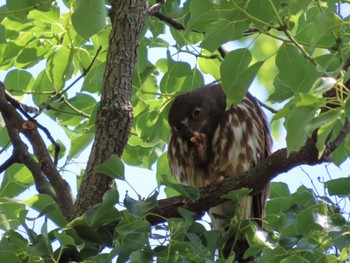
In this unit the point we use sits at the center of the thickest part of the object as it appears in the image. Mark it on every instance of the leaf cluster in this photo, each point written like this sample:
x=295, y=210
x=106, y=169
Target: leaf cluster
x=55, y=60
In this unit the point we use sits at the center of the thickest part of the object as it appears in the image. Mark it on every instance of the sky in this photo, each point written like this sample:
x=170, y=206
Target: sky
x=144, y=181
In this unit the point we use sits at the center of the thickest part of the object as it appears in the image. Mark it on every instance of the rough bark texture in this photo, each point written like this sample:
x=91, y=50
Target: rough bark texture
x=114, y=116
x=44, y=167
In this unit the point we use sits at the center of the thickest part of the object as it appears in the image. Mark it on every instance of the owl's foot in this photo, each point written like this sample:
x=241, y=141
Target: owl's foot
x=200, y=141
x=217, y=180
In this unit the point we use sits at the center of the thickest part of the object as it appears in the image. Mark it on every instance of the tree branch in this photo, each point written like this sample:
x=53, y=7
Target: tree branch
x=24, y=109
x=255, y=178
x=15, y=124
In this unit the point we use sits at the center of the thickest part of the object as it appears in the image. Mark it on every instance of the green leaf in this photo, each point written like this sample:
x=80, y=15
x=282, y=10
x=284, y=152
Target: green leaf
x=236, y=195
x=347, y=107
x=59, y=67
x=183, y=37
x=338, y=186
x=326, y=23
x=78, y=142
x=10, y=210
x=175, y=74
x=344, y=254
x=16, y=180
x=43, y=88
x=42, y=247
x=113, y=167
x=4, y=136
x=10, y=257
x=303, y=196
x=236, y=80
x=163, y=170
x=210, y=65
x=89, y=17
x=294, y=259
x=306, y=221
x=48, y=17
x=131, y=246
x=297, y=5
x=277, y=204
x=111, y=197
x=222, y=31
x=290, y=82
x=65, y=239
x=203, y=12
x=10, y=52
x=262, y=11
x=19, y=80
x=298, y=120
x=279, y=189
x=139, y=208
x=142, y=156
x=326, y=129
x=48, y=207
x=151, y=122
x=20, y=8
x=185, y=190
x=94, y=79
x=101, y=214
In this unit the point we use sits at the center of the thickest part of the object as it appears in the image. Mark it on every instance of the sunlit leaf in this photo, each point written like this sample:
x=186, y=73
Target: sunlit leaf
x=338, y=186
x=59, y=67
x=89, y=17
x=113, y=167
x=10, y=211
x=236, y=80
x=18, y=80
x=48, y=207
x=16, y=180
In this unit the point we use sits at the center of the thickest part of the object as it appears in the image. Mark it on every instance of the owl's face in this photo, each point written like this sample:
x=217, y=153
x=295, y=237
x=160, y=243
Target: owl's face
x=197, y=111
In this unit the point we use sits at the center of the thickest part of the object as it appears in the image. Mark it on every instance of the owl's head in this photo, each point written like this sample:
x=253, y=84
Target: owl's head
x=197, y=111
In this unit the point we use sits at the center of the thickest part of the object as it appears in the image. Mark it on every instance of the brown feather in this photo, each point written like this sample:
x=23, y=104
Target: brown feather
x=208, y=142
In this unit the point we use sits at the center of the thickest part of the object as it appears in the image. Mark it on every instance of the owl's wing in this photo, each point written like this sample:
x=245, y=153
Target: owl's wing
x=240, y=141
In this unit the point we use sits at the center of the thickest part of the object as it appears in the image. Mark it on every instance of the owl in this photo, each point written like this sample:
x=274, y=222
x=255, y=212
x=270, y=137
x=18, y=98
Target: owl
x=209, y=142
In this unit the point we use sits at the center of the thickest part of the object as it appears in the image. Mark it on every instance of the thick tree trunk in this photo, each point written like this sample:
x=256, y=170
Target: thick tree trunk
x=114, y=116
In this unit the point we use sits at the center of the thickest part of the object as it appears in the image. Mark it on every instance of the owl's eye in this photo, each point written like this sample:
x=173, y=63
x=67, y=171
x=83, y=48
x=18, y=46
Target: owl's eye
x=195, y=112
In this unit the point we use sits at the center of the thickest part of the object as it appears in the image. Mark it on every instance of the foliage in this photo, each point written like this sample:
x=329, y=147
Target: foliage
x=297, y=49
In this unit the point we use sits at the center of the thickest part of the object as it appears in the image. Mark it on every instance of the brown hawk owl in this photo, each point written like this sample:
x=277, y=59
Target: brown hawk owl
x=208, y=142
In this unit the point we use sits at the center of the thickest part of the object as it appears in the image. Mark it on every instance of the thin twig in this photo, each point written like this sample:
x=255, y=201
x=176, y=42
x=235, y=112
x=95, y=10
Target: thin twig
x=262, y=104
x=170, y=21
x=5, y=165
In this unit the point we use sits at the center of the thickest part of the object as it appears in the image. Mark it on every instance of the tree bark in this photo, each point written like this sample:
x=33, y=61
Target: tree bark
x=114, y=116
